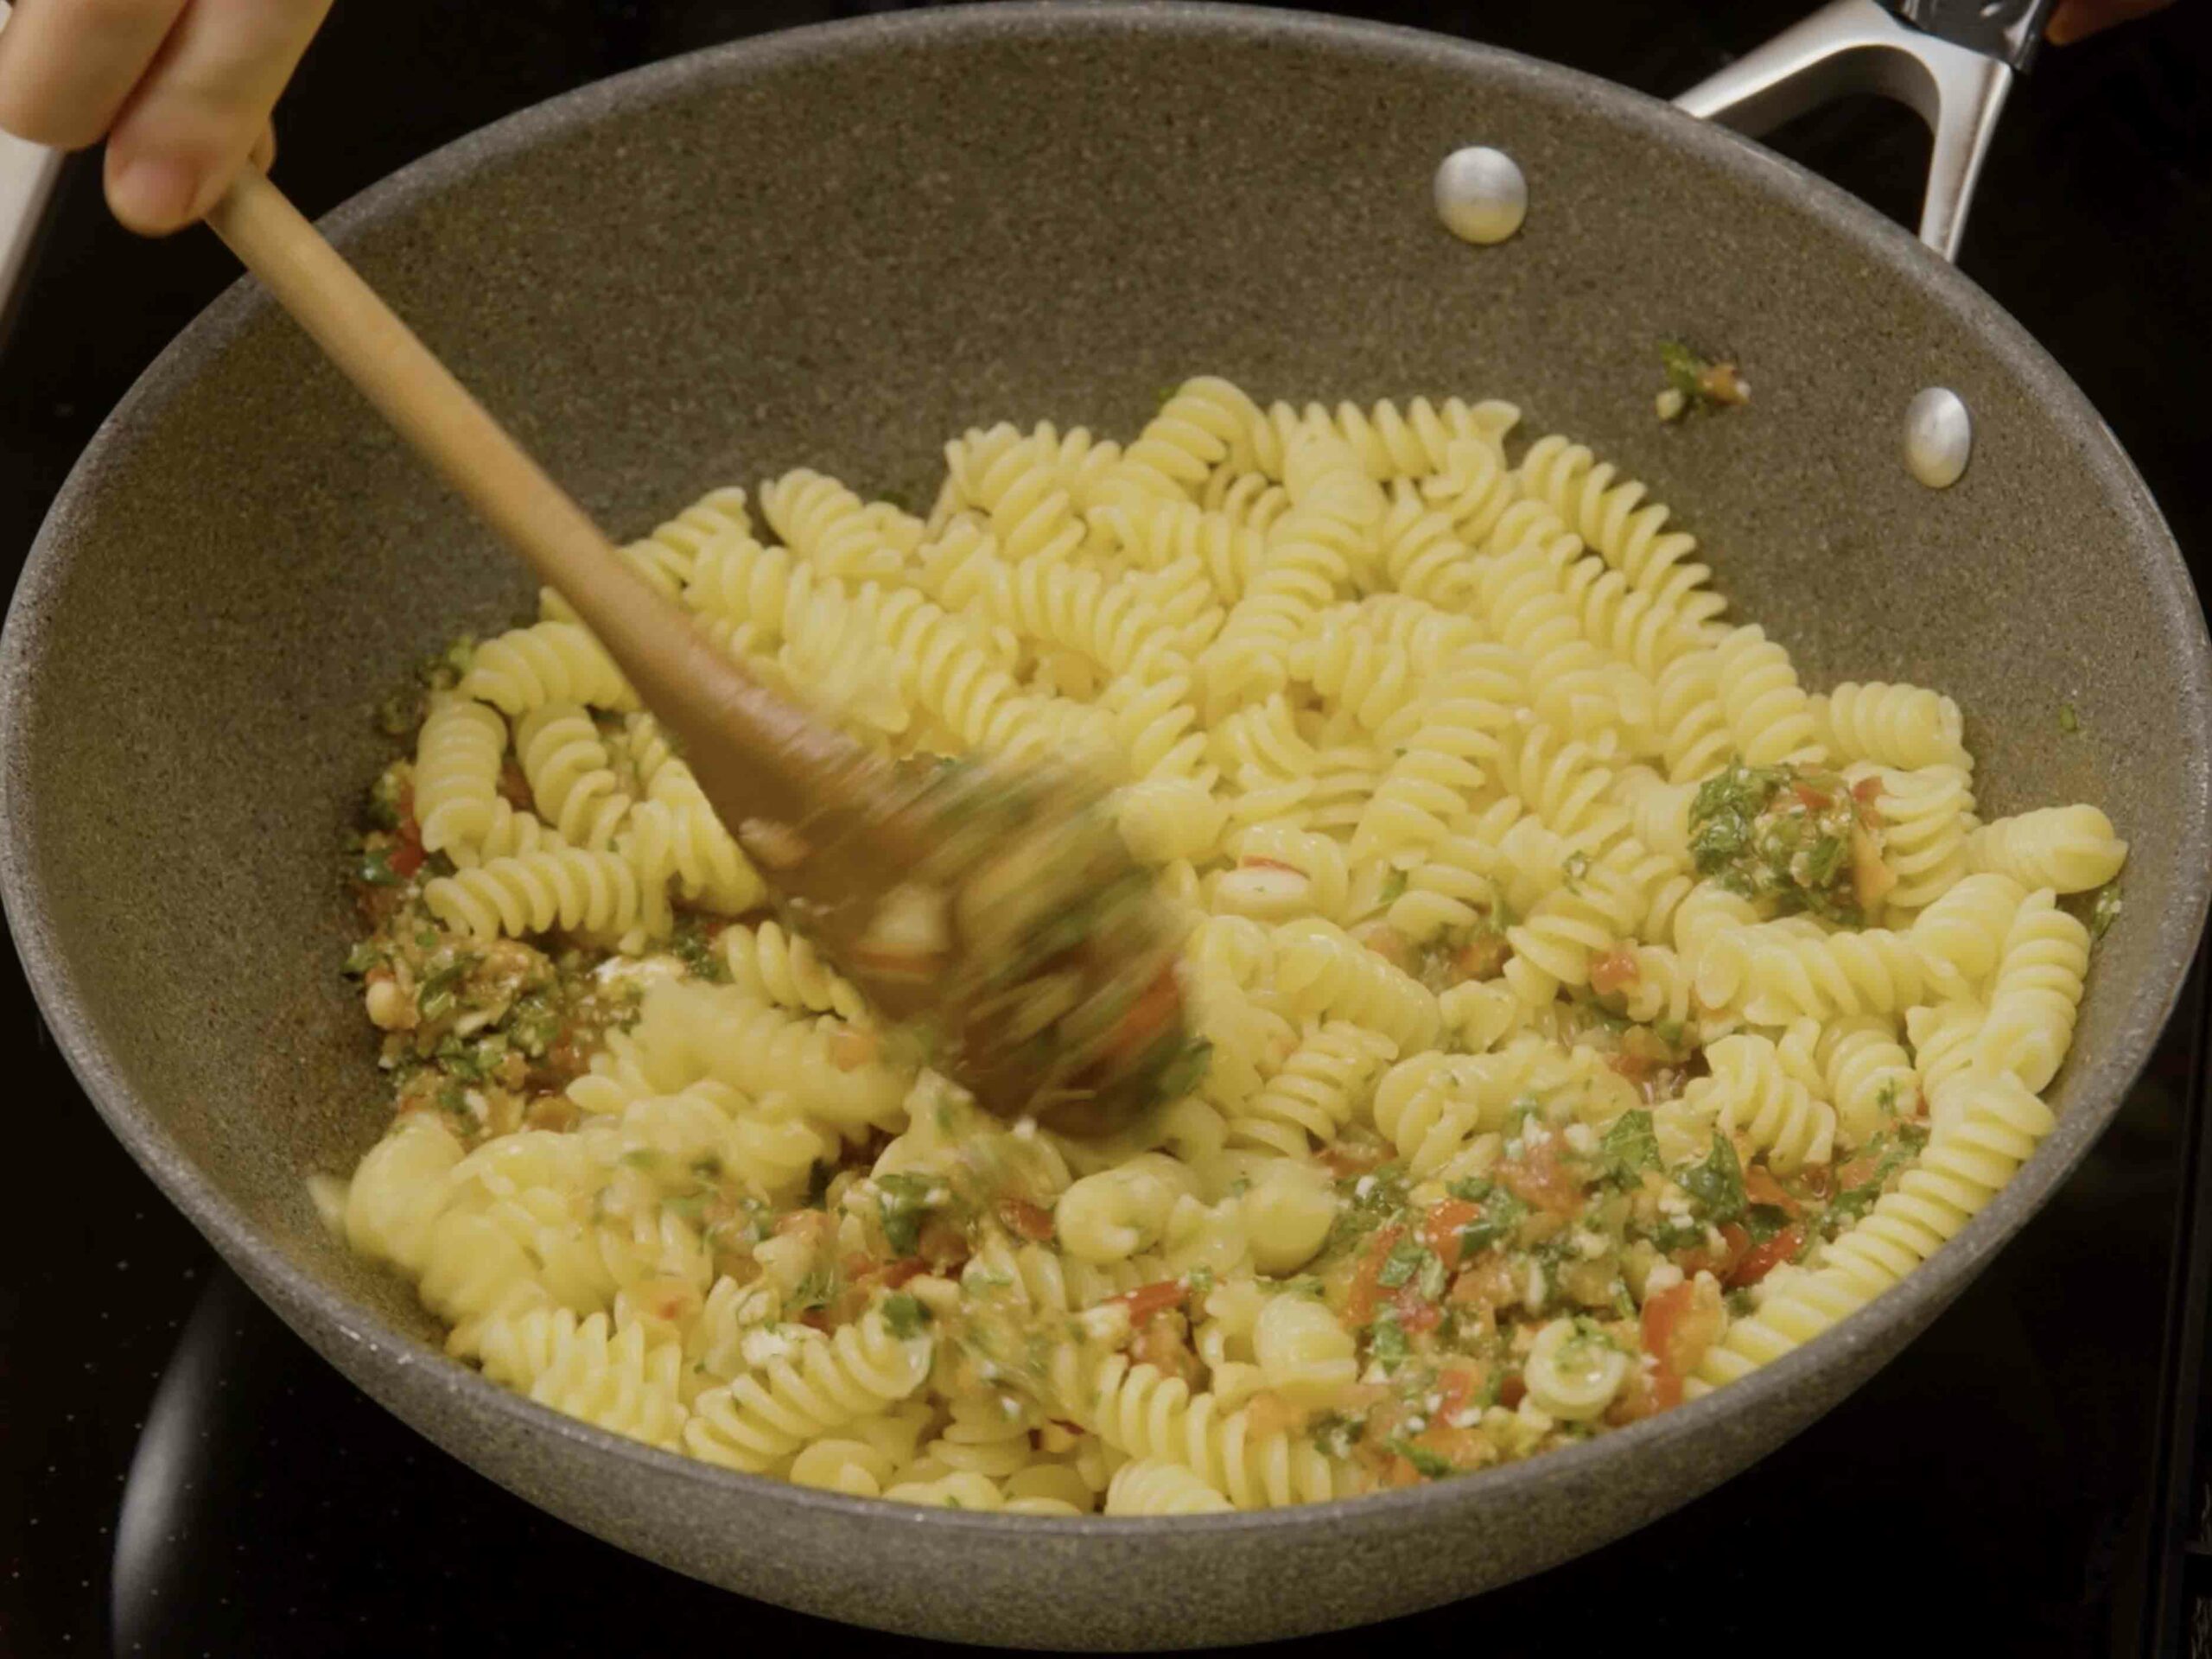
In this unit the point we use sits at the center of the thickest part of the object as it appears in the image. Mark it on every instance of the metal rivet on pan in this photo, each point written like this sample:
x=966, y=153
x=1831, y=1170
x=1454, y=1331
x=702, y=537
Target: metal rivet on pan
x=1938, y=437
x=1481, y=193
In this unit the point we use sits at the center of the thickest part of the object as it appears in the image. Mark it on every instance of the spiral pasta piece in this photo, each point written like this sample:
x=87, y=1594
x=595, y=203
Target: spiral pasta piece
x=1769, y=717
x=547, y=662
x=1750, y=1093
x=1320, y=1088
x=1140, y=1411
x=570, y=888
x=1150, y=1486
x=1906, y=727
x=570, y=773
x=2036, y=994
x=1922, y=818
x=822, y=1384
x=457, y=760
x=1324, y=971
x=2069, y=849
x=781, y=968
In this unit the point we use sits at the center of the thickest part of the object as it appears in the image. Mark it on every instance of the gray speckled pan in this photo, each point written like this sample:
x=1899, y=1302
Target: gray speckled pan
x=838, y=247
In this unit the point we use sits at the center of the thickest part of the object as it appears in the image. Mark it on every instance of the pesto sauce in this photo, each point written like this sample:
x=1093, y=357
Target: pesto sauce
x=1779, y=834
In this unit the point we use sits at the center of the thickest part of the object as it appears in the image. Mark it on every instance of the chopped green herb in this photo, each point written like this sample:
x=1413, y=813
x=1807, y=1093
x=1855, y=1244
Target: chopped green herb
x=2104, y=910
x=1503, y=1212
x=819, y=1289
x=1699, y=381
x=1336, y=1434
x=1198, y=1281
x=1394, y=888
x=1425, y=1462
x=1717, y=1184
x=906, y=1317
x=375, y=869
x=1631, y=1146
x=362, y=957
x=696, y=952
x=1387, y=1342
x=1403, y=1263
x=1433, y=1277
x=2068, y=721
x=904, y=1204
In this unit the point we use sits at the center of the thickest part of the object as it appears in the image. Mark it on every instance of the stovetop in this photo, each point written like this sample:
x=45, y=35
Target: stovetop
x=179, y=1474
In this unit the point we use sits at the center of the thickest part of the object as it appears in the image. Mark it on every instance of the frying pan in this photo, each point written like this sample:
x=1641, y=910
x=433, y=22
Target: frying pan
x=840, y=245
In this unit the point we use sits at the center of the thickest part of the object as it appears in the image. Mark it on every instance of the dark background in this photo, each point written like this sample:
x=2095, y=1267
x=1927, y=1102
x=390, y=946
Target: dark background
x=2024, y=1475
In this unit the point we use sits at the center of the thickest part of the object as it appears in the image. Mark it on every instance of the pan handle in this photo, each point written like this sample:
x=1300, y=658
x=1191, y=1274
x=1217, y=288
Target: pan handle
x=1952, y=61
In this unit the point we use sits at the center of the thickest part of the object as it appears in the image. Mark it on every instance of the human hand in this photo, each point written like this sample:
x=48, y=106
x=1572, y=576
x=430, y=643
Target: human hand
x=2077, y=20
x=180, y=90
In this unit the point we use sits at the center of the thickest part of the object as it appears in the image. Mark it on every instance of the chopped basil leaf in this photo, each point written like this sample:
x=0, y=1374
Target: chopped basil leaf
x=1631, y=1146
x=1717, y=1184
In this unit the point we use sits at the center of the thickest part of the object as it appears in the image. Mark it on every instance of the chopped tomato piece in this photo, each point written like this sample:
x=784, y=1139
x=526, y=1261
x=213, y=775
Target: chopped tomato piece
x=1414, y=1313
x=1538, y=1178
x=1761, y=1187
x=1867, y=790
x=1148, y=1300
x=1366, y=1279
x=1455, y=1388
x=1031, y=1221
x=1816, y=800
x=1859, y=1171
x=1762, y=1259
x=896, y=1274
x=1635, y=1067
x=1679, y=1323
x=1615, y=970
x=1483, y=957
x=1440, y=1229
x=1460, y=1447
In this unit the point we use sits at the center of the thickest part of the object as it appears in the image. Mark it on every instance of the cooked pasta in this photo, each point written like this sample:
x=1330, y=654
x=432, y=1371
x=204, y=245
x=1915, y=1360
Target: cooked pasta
x=1588, y=1011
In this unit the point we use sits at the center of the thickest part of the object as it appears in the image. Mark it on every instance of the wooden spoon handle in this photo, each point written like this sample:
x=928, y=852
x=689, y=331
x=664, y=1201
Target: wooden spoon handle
x=753, y=751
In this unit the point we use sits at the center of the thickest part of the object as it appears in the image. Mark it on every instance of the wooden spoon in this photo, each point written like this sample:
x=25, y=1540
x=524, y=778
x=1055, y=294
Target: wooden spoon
x=994, y=914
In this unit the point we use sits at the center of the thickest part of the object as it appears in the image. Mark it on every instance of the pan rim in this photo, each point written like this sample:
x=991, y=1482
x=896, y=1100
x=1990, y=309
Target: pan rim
x=333, y=1320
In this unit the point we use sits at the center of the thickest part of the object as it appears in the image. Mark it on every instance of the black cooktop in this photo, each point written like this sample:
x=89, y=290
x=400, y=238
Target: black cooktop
x=179, y=1474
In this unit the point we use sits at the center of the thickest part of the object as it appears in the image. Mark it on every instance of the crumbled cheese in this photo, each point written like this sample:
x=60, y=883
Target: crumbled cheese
x=1363, y=1188
x=1664, y=1275
x=1582, y=1137
x=1532, y=1297
x=766, y=1343
x=1591, y=1245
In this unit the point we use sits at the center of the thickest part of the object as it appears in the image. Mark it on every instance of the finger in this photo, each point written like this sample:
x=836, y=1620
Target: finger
x=66, y=67
x=2077, y=20
x=200, y=109
x=263, y=155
